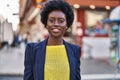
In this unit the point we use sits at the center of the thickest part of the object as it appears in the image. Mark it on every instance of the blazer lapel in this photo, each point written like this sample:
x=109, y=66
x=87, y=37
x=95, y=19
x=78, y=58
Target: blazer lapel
x=71, y=60
x=41, y=51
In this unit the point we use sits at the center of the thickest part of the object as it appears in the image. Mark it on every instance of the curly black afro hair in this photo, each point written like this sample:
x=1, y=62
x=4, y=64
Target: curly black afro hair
x=57, y=5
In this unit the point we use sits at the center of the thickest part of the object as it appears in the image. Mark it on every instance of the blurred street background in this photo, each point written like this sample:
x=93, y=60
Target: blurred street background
x=12, y=67
x=95, y=29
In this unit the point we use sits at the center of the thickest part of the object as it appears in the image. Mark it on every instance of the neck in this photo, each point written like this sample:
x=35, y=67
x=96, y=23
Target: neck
x=55, y=41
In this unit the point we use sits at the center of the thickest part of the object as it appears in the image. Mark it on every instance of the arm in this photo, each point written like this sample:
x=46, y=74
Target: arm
x=28, y=63
x=78, y=52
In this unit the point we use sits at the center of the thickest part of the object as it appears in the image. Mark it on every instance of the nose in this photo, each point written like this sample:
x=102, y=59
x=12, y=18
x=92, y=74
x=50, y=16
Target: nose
x=56, y=23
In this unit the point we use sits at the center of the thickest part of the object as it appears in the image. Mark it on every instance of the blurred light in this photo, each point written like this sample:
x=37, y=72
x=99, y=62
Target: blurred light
x=79, y=31
x=76, y=6
x=7, y=9
x=79, y=24
x=107, y=7
x=115, y=14
x=15, y=21
x=92, y=6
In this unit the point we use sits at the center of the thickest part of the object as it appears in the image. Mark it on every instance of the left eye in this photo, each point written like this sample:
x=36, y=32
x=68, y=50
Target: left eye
x=60, y=21
x=51, y=21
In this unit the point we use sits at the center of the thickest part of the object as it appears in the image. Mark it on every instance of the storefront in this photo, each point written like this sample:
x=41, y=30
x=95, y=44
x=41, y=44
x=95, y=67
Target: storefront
x=94, y=34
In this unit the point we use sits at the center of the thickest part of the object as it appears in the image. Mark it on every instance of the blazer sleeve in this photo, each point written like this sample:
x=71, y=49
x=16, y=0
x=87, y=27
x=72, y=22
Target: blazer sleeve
x=78, y=52
x=28, y=63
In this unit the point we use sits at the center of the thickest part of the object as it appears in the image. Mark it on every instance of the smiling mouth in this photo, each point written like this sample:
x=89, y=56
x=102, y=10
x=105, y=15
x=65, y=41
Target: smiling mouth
x=56, y=30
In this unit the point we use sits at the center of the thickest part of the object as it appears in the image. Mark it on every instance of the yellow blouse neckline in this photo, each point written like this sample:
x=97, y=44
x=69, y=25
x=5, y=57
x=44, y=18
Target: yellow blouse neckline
x=55, y=45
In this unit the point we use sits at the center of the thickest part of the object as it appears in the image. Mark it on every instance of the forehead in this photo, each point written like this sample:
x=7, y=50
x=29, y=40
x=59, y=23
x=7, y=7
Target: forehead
x=56, y=14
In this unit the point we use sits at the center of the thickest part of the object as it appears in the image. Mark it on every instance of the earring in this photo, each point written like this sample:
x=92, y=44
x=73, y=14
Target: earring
x=68, y=29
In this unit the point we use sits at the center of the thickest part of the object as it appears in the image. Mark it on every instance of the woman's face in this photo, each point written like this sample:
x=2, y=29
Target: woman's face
x=56, y=24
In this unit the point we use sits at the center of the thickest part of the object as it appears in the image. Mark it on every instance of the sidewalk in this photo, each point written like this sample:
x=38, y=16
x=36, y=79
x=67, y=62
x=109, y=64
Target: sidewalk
x=96, y=69
x=97, y=66
x=11, y=64
x=11, y=61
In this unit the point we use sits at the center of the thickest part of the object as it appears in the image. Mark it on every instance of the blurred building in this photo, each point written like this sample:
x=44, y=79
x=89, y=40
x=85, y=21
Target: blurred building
x=90, y=12
x=88, y=26
x=30, y=19
x=92, y=34
x=9, y=20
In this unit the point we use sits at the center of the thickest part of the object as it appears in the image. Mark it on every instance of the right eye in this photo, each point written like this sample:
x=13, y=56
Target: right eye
x=51, y=20
x=61, y=21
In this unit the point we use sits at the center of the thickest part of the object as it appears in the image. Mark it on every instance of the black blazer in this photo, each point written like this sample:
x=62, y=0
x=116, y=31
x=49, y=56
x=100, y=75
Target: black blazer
x=35, y=60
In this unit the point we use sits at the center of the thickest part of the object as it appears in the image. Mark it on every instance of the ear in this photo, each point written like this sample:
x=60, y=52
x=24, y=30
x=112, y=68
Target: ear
x=46, y=26
x=68, y=29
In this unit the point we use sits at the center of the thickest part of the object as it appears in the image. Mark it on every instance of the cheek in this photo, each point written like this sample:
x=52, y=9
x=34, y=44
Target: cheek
x=64, y=29
x=64, y=24
x=47, y=27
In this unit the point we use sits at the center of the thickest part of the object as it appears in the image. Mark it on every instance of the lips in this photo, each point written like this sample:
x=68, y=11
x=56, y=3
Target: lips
x=56, y=30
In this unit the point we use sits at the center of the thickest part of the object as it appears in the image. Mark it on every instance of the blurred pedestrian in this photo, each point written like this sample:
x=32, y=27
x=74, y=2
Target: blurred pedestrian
x=53, y=58
x=27, y=37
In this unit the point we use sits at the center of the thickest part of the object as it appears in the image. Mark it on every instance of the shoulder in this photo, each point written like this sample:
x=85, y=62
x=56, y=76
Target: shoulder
x=72, y=45
x=36, y=44
x=75, y=47
x=32, y=47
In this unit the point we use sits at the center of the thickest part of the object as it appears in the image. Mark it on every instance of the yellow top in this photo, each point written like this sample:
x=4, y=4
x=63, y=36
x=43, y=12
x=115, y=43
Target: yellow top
x=56, y=63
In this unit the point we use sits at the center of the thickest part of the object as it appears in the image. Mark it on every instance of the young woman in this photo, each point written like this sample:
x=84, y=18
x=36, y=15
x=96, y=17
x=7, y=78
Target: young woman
x=53, y=58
